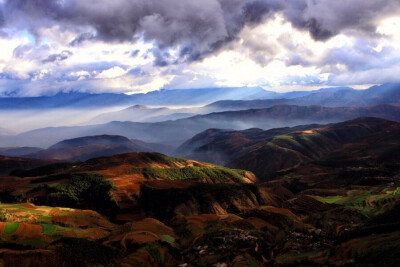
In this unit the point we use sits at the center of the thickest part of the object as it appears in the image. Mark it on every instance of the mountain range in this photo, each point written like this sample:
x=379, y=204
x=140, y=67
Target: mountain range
x=174, y=133
x=237, y=96
x=328, y=97
x=375, y=95
x=155, y=98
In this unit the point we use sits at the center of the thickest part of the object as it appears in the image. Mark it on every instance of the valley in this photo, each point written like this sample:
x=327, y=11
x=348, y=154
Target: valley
x=317, y=194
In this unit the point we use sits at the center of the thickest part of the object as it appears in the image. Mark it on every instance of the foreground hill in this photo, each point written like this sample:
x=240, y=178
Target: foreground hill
x=341, y=210
x=176, y=132
x=266, y=152
x=86, y=185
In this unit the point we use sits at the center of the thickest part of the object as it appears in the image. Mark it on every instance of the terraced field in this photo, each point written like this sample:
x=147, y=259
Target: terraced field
x=368, y=201
x=38, y=226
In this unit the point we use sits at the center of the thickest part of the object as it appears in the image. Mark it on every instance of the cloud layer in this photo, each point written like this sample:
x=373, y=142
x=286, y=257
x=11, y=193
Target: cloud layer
x=178, y=43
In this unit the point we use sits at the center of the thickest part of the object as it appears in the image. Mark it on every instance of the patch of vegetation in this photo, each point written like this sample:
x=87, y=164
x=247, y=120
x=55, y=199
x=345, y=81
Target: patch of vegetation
x=84, y=191
x=396, y=192
x=332, y=199
x=11, y=228
x=368, y=202
x=48, y=229
x=167, y=238
x=220, y=174
x=160, y=158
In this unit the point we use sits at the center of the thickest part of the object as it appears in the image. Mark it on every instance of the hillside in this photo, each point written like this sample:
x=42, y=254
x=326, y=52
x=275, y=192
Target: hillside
x=8, y=164
x=265, y=152
x=124, y=174
x=18, y=151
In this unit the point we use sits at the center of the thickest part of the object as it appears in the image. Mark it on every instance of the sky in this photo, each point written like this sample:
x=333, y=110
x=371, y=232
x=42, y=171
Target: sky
x=130, y=46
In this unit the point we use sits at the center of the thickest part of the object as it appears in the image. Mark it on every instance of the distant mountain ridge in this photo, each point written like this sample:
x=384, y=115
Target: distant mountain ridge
x=335, y=96
x=342, y=97
x=174, y=133
x=163, y=97
x=142, y=113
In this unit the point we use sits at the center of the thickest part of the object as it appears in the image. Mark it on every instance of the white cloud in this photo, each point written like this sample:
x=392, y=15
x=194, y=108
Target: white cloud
x=273, y=53
x=113, y=72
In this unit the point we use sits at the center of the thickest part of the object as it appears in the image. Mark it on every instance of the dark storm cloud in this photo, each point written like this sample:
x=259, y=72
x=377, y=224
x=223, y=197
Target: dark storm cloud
x=325, y=18
x=196, y=28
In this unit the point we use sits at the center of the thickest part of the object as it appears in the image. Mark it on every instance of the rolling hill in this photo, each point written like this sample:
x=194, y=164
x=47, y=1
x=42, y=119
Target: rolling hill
x=8, y=164
x=120, y=180
x=18, y=151
x=84, y=148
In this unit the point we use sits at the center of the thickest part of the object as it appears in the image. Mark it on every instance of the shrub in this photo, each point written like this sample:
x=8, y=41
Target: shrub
x=84, y=191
